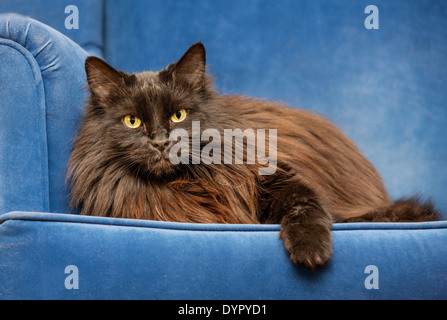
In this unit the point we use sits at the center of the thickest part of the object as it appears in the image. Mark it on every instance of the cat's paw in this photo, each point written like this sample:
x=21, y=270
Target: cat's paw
x=308, y=245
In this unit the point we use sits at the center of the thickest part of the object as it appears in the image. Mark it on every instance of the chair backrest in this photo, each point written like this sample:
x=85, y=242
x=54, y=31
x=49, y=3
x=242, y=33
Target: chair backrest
x=42, y=82
x=386, y=88
x=80, y=20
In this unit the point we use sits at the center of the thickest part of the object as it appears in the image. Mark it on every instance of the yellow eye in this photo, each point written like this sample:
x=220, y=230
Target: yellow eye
x=132, y=121
x=179, y=115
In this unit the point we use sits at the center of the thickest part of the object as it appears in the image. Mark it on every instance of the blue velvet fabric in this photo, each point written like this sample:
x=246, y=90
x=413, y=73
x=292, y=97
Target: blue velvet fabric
x=90, y=32
x=42, y=86
x=385, y=88
x=134, y=259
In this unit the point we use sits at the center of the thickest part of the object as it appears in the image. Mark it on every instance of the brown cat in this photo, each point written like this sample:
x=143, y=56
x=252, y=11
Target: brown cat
x=121, y=165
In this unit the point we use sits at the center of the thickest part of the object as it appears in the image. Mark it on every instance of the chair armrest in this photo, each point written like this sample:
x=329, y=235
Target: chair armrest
x=41, y=94
x=136, y=259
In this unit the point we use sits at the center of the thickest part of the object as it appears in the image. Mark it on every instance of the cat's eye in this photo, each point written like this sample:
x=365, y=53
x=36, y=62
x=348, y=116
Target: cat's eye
x=132, y=121
x=179, y=115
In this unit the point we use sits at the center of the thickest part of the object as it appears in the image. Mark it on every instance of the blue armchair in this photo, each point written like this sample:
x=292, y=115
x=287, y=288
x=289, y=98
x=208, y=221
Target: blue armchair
x=386, y=88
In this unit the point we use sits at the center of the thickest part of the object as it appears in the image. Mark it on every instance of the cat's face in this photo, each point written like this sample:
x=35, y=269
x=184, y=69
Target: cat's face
x=132, y=115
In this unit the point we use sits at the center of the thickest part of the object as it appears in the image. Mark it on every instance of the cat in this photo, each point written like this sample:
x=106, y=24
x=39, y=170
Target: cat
x=120, y=165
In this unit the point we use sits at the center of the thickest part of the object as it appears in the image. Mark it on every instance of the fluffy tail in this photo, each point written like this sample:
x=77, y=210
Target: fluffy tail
x=405, y=210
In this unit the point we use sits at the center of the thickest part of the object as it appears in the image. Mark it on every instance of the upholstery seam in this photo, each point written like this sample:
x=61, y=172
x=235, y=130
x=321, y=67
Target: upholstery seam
x=274, y=227
x=142, y=227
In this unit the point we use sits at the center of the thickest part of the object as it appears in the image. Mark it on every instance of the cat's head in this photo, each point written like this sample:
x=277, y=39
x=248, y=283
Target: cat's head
x=131, y=115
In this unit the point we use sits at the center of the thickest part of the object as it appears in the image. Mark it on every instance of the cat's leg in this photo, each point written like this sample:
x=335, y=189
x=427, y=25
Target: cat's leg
x=305, y=225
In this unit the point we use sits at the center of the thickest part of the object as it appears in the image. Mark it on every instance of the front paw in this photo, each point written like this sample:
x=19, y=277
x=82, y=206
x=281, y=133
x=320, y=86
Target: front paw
x=307, y=244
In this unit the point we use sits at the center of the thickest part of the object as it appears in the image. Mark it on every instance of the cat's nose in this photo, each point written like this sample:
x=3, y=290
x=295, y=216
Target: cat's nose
x=160, y=144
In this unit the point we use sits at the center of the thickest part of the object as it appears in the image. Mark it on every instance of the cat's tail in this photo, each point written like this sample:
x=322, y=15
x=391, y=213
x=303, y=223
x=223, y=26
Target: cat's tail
x=404, y=210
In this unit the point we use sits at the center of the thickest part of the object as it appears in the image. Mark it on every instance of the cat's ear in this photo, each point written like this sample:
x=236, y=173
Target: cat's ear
x=104, y=81
x=191, y=67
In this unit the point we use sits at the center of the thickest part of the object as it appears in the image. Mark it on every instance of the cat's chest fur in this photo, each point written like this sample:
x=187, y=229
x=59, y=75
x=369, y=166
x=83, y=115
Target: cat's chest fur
x=216, y=196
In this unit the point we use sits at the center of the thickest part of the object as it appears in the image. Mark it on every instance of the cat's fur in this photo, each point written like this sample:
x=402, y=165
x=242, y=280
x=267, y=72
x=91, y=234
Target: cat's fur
x=321, y=176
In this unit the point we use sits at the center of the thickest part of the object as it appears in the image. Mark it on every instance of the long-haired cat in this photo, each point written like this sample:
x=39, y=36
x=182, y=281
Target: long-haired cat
x=120, y=165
